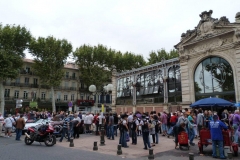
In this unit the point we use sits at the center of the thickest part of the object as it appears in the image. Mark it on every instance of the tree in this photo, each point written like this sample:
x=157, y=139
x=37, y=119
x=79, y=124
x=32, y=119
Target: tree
x=13, y=41
x=96, y=63
x=156, y=57
x=50, y=56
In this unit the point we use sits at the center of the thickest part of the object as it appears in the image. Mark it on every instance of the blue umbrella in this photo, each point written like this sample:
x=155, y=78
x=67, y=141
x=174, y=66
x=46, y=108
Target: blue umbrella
x=211, y=102
x=237, y=104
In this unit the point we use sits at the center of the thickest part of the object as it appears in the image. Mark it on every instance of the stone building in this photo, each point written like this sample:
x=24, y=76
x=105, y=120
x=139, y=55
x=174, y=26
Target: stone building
x=208, y=65
x=28, y=88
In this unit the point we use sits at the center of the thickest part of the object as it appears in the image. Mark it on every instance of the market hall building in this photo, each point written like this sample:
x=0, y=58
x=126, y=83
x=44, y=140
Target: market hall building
x=208, y=66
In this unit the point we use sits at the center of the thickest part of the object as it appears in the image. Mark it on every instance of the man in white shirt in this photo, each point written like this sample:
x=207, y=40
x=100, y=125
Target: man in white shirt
x=87, y=122
x=8, y=125
x=1, y=124
x=129, y=122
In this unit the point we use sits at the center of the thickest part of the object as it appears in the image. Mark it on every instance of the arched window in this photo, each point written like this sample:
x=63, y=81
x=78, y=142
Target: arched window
x=214, y=77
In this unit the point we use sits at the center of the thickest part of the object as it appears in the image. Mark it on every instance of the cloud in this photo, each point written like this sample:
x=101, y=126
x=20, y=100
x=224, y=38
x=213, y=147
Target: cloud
x=138, y=26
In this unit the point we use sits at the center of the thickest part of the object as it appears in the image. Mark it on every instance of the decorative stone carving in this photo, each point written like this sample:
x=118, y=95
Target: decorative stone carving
x=184, y=58
x=206, y=27
x=237, y=33
x=237, y=17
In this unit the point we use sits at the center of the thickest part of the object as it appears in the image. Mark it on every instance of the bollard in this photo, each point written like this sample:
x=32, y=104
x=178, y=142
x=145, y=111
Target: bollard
x=95, y=147
x=229, y=154
x=119, y=149
x=191, y=156
x=150, y=156
x=102, y=140
x=71, y=143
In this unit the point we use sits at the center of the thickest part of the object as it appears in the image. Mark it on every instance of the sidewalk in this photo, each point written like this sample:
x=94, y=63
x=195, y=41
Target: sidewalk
x=163, y=150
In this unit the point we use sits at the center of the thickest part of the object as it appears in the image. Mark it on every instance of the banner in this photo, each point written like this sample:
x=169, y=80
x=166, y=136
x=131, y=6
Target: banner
x=33, y=104
x=102, y=107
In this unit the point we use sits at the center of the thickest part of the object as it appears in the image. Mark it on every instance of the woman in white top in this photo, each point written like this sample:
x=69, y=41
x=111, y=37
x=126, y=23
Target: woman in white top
x=76, y=125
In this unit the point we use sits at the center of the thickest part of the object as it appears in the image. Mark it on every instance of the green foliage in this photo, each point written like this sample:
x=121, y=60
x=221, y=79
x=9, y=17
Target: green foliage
x=13, y=41
x=155, y=57
x=96, y=63
x=50, y=56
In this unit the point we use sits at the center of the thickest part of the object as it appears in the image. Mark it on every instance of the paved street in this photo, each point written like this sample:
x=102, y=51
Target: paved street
x=14, y=150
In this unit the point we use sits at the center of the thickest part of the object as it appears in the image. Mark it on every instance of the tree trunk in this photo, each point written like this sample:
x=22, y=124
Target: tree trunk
x=2, y=101
x=53, y=101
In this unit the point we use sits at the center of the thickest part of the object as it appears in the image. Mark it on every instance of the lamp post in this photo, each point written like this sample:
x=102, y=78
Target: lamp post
x=106, y=89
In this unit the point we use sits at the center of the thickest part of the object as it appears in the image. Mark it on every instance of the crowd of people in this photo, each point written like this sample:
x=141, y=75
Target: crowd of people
x=133, y=125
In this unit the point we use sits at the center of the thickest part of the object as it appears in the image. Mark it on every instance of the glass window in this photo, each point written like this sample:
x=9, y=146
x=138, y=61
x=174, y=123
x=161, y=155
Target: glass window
x=26, y=80
x=16, y=94
x=174, y=84
x=7, y=93
x=43, y=95
x=65, y=97
x=25, y=95
x=72, y=97
x=214, y=77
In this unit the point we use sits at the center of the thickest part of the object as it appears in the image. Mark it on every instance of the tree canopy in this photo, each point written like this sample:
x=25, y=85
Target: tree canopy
x=13, y=41
x=50, y=56
x=157, y=56
x=96, y=63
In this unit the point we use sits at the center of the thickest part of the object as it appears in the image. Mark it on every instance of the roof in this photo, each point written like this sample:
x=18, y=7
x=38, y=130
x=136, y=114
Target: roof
x=68, y=65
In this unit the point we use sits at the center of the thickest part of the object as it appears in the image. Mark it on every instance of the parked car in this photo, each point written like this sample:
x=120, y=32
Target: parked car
x=33, y=123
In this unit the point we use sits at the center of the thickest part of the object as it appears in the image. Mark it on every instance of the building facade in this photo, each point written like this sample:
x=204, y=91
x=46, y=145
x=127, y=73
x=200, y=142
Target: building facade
x=28, y=88
x=208, y=65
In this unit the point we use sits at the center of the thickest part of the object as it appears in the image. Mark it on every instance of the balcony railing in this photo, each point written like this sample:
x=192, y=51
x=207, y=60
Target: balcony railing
x=23, y=71
x=20, y=84
x=39, y=100
x=70, y=77
x=38, y=86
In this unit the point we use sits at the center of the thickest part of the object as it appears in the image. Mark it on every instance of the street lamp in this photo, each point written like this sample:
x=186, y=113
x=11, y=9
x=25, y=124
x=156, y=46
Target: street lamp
x=106, y=89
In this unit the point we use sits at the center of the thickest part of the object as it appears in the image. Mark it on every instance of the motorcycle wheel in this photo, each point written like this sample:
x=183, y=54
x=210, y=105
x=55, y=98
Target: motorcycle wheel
x=50, y=140
x=28, y=141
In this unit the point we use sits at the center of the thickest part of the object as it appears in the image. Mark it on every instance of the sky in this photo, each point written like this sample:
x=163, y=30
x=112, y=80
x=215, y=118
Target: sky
x=137, y=26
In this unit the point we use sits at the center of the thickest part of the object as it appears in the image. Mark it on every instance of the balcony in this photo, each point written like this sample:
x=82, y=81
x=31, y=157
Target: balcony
x=25, y=72
x=21, y=84
x=70, y=77
x=66, y=88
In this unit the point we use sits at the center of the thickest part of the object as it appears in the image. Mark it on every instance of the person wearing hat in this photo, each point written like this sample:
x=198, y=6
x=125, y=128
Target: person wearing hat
x=216, y=127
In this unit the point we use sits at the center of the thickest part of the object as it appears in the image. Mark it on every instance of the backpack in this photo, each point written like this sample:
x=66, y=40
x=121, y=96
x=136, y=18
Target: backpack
x=156, y=126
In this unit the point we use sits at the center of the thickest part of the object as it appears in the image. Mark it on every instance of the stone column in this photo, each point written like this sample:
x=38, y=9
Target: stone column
x=237, y=75
x=185, y=82
x=114, y=89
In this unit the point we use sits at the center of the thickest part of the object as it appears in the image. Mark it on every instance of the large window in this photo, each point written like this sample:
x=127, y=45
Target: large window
x=124, y=86
x=174, y=84
x=214, y=77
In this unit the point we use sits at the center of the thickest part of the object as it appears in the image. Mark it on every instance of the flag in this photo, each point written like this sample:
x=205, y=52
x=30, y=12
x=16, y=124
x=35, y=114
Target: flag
x=102, y=107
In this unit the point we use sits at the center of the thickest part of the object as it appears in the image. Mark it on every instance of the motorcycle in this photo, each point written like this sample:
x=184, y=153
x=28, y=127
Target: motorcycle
x=41, y=133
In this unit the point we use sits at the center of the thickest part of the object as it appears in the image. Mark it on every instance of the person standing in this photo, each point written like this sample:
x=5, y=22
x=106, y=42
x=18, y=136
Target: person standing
x=20, y=124
x=1, y=124
x=129, y=121
x=145, y=134
x=236, y=123
x=216, y=127
x=110, y=126
x=163, y=119
x=65, y=129
x=134, y=127
x=8, y=125
x=191, y=126
x=124, y=129
x=76, y=126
